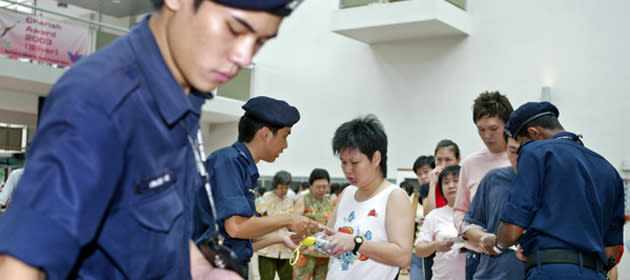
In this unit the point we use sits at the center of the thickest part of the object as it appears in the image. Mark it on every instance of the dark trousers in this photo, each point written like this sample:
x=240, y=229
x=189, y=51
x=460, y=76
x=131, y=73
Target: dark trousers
x=245, y=269
x=472, y=262
x=562, y=271
x=427, y=264
x=267, y=268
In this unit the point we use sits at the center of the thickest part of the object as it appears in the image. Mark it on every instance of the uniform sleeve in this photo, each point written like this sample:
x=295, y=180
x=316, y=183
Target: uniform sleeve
x=229, y=190
x=477, y=213
x=614, y=235
x=426, y=233
x=524, y=198
x=462, y=201
x=74, y=166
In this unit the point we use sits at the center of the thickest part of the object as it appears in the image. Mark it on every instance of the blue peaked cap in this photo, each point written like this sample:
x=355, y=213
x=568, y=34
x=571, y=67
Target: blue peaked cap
x=527, y=113
x=271, y=111
x=276, y=7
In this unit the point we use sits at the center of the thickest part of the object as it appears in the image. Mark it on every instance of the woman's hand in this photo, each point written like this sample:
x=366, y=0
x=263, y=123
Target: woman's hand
x=443, y=245
x=341, y=241
x=435, y=173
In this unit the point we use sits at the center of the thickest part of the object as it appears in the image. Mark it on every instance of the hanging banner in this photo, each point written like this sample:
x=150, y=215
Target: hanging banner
x=42, y=39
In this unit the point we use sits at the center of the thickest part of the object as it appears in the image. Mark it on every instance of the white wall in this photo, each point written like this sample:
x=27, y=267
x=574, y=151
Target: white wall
x=423, y=90
x=216, y=136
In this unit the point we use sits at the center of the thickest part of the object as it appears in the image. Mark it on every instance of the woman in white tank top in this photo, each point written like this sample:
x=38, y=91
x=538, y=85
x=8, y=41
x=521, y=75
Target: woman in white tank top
x=371, y=227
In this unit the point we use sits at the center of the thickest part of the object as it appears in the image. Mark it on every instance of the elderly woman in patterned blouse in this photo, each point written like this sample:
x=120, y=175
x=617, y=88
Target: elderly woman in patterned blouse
x=315, y=205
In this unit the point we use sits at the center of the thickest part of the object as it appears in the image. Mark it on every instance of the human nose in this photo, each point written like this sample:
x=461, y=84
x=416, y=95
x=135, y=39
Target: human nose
x=345, y=168
x=488, y=134
x=243, y=51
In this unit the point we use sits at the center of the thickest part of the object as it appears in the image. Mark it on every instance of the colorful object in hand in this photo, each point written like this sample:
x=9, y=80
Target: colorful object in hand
x=313, y=243
x=309, y=241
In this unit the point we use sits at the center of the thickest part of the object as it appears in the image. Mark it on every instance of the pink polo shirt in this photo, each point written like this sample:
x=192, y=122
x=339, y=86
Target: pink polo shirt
x=474, y=168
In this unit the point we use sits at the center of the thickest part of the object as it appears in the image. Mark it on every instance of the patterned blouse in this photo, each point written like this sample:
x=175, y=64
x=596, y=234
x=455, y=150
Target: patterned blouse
x=319, y=211
x=271, y=204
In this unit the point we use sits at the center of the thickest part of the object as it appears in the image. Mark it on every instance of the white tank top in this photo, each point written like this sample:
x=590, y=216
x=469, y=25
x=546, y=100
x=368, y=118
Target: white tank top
x=367, y=219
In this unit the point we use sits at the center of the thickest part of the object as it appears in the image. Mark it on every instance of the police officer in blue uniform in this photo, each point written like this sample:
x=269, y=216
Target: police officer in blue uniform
x=565, y=207
x=108, y=189
x=232, y=172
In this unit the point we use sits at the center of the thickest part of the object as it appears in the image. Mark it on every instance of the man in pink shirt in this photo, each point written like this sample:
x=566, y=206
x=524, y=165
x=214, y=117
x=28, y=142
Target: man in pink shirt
x=491, y=111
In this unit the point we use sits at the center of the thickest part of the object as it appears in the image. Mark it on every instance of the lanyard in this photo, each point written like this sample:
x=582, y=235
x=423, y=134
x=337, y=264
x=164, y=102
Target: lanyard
x=200, y=154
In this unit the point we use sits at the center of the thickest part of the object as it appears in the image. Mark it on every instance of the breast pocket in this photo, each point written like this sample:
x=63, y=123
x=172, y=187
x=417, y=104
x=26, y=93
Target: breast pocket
x=160, y=213
x=147, y=237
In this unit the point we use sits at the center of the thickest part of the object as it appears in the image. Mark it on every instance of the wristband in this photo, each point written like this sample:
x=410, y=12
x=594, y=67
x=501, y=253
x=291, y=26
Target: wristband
x=497, y=249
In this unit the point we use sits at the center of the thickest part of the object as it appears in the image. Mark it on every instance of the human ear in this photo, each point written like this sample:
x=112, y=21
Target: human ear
x=535, y=133
x=376, y=159
x=264, y=132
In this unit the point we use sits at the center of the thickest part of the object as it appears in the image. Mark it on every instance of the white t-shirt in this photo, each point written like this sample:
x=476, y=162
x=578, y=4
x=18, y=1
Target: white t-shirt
x=438, y=225
x=367, y=219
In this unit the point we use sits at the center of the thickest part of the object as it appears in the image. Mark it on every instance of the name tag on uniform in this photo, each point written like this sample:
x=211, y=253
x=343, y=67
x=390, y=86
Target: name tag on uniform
x=158, y=182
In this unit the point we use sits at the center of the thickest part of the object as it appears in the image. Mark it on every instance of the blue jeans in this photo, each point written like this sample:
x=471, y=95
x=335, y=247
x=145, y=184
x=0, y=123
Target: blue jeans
x=415, y=268
x=472, y=262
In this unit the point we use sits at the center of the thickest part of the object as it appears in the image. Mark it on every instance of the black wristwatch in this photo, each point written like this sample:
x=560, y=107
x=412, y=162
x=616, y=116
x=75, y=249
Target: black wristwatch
x=358, y=240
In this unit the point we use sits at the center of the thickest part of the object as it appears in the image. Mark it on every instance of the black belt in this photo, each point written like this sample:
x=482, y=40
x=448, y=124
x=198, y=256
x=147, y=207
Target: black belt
x=558, y=256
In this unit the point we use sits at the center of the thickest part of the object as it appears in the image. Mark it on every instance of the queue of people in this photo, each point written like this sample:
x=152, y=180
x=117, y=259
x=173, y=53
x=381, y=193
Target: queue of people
x=369, y=230
x=171, y=212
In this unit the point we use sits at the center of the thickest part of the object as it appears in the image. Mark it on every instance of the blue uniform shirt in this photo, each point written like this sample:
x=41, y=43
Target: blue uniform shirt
x=107, y=190
x=566, y=197
x=233, y=175
x=484, y=211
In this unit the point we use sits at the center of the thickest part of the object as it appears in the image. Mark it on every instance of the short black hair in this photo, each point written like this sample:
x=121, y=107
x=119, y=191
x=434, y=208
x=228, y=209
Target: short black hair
x=248, y=126
x=335, y=188
x=492, y=104
x=260, y=190
x=295, y=187
x=422, y=161
x=449, y=170
x=318, y=173
x=159, y=3
x=546, y=122
x=365, y=134
x=281, y=178
x=407, y=186
x=446, y=143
